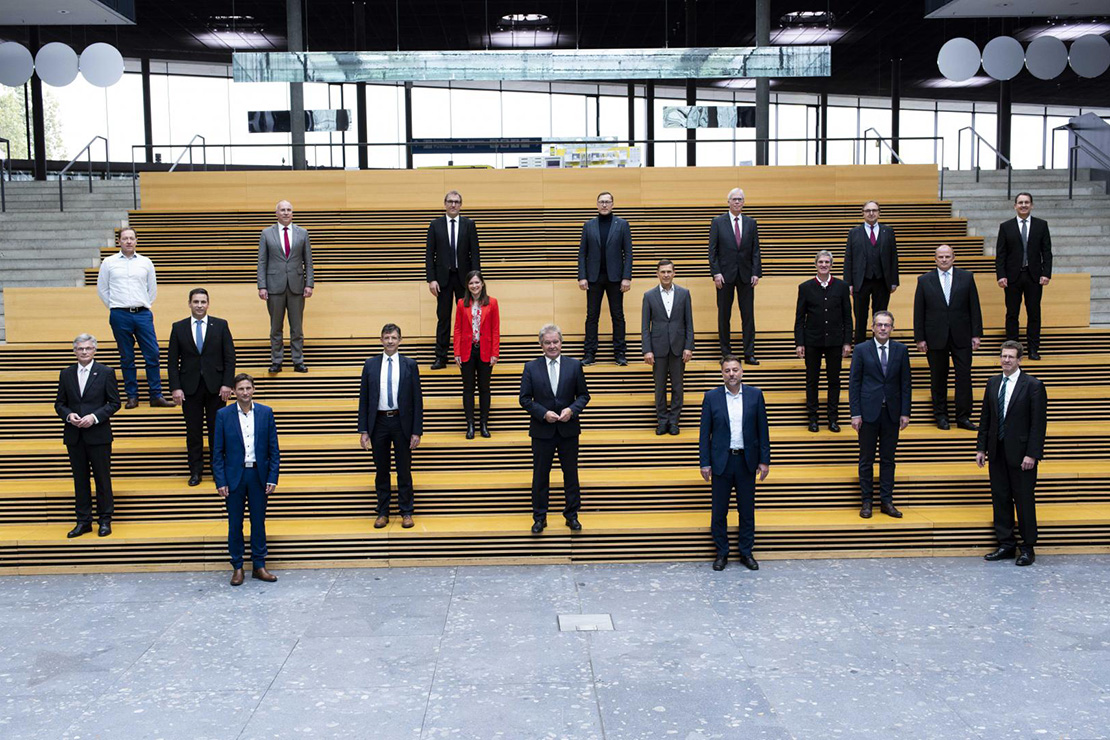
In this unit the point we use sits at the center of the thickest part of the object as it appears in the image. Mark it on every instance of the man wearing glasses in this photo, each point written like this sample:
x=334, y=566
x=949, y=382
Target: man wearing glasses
x=870, y=266
x=452, y=252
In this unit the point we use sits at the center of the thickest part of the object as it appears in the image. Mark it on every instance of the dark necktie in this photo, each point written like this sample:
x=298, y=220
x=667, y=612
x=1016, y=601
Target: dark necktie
x=872, y=233
x=389, y=383
x=882, y=357
x=1002, y=407
x=1024, y=242
x=736, y=230
x=454, y=247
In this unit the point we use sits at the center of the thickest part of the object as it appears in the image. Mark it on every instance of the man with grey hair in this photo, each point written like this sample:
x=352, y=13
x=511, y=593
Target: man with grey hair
x=553, y=392
x=735, y=266
x=87, y=397
x=284, y=281
x=823, y=328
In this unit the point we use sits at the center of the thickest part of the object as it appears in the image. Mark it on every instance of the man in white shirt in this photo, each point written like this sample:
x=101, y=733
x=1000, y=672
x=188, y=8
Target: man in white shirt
x=667, y=341
x=128, y=286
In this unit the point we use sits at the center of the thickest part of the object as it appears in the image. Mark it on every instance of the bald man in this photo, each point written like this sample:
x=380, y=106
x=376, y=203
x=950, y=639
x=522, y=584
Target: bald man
x=284, y=281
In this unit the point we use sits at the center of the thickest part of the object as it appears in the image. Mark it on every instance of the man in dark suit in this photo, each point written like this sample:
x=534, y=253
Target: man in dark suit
x=450, y=254
x=879, y=394
x=734, y=444
x=823, y=328
x=1011, y=436
x=284, y=282
x=87, y=397
x=201, y=368
x=605, y=269
x=1023, y=266
x=553, y=392
x=667, y=340
x=245, y=465
x=947, y=321
x=870, y=266
x=391, y=415
x=735, y=265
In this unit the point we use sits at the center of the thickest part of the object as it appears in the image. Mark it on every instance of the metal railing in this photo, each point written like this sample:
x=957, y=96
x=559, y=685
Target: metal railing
x=1081, y=143
x=7, y=161
x=974, y=151
x=84, y=149
x=189, y=149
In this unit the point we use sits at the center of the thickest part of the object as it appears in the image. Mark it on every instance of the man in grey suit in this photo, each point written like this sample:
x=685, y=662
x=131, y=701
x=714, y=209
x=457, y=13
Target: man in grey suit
x=667, y=342
x=605, y=268
x=284, y=281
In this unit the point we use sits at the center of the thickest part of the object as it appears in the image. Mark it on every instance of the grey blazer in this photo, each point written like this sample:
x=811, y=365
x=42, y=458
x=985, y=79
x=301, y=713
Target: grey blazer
x=659, y=334
x=277, y=274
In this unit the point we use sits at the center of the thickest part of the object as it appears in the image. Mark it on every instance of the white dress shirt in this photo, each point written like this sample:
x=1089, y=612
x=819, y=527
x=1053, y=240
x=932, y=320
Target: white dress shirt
x=383, y=387
x=668, y=298
x=127, y=282
x=246, y=426
x=735, y=406
x=1010, y=389
x=826, y=283
x=203, y=329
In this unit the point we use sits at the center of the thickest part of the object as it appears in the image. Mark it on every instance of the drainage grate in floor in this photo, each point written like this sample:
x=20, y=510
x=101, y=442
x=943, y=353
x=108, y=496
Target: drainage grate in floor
x=585, y=622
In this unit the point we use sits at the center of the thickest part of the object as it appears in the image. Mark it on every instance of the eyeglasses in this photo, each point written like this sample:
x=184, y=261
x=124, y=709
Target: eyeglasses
x=870, y=210
x=452, y=202
x=84, y=349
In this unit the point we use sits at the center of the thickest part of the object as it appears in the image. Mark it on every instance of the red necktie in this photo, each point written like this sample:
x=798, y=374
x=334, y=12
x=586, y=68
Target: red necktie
x=872, y=230
x=736, y=229
x=286, y=230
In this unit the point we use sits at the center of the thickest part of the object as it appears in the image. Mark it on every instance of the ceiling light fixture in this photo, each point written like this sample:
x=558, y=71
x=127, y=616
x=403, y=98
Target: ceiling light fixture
x=524, y=18
x=807, y=18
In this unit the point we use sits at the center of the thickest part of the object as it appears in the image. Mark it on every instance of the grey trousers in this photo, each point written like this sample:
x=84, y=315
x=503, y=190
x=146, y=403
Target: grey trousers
x=279, y=305
x=672, y=365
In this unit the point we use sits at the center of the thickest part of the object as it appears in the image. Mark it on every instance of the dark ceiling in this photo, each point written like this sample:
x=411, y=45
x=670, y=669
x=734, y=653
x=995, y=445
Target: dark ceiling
x=873, y=32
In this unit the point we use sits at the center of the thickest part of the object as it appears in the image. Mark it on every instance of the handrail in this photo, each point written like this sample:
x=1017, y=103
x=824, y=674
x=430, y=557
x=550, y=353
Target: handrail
x=8, y=161
x=974, y=150
x=189, y=148
x=1081, y=142
x=881, y=141
x=86, y=148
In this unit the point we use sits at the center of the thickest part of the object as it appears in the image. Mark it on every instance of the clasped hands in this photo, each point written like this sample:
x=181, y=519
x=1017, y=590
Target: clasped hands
x=551, y=417
x=81, y=422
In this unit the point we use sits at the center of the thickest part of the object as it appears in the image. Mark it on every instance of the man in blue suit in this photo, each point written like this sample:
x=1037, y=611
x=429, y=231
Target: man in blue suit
x=734, y=444
x=605, y=268
x=245, y=463
x=879, y=394
x=553, y=392
x=391, y=415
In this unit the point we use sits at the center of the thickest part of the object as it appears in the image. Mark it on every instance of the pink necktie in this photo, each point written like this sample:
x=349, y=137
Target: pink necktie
x=736, y=229
x=872, y=236
x=286, y=230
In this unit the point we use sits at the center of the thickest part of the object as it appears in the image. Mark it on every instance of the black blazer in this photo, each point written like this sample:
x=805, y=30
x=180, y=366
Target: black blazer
x=868, y=388
x=438, y=255
x=725, y=258
x=1026, y=421
x=1007, y=252
x=660, y=333
x=101, y=398
x=823, y=317
x=935, y=321
x=536, y=397
x=855, y=261
x=410, y=402
x=618, y=251
x=215, y=365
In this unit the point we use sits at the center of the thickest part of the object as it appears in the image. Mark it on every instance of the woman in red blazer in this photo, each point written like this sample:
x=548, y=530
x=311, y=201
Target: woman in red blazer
x=477, y=345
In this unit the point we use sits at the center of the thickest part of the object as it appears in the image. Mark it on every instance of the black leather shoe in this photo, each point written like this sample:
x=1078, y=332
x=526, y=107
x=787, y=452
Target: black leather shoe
x=161, y=403
x=1002, y=553
x=275, y=368
x=672, y=429
x=1026, y=558
x=484, y=430
x=661, y=429
x=622, y=361
x=438, y=364
x=889, y=510
x=574, y=525
x=750, y=360
x=539, y=525
x=814, y=426
x=942, y=423
x=470, y=430
x=194, y=479
x=589, y=360
x=300, y=367
x=749, y=562
x=1034, y=355
x=104, y=530
x=79, y=530
x=720, y=562
x=834, y=427
x=865, y=510
x=967, y=424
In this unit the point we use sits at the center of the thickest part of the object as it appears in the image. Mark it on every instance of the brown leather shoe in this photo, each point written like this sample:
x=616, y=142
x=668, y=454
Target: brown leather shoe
x=263, y=575
x=161, y=402
x=382, y=521
x=406, y=521
x=132, y=403
x=865, y=510
x=237, y=577
x=889, y=510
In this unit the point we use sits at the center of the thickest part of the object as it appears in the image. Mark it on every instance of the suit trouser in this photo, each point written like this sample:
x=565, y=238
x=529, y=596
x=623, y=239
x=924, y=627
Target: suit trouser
x=97, y=458
x=745, y=296
x=832, y=357
x=668, y=365
x=543, y=455
x=476, y=373
x=1029, y=288
x=449, y=295
x=1009, y=487
x=129, y=328
x=280, y=304
x=738, y=477
x=938, y=380
x=388, y=433
x=885, y=432
x=877, y=292
x=199, y=410
x=249, y=492
x=594, y=292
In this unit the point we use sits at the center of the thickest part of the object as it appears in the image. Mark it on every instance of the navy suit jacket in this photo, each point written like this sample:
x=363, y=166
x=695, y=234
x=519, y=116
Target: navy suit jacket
x=713, y=445
x=537, y=399
x=618, y=251
x=229, y=454
x=868, y=388
x=410, y=403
